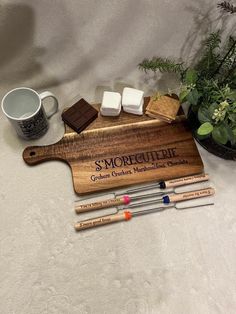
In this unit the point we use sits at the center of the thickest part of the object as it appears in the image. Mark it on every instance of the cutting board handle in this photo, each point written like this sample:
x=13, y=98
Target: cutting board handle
x=34, y=155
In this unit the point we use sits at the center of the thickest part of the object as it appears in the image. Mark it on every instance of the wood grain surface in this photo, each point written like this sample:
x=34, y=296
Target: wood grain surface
x=125, y=150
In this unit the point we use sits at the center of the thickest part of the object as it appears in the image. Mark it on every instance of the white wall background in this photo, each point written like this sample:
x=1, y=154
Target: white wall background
x=86, y=44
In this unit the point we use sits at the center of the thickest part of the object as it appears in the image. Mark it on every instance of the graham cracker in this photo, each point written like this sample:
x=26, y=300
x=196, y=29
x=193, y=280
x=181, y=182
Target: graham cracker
x=164, y=107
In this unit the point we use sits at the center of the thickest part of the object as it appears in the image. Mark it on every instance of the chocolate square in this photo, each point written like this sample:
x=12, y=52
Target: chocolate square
x=80, y=115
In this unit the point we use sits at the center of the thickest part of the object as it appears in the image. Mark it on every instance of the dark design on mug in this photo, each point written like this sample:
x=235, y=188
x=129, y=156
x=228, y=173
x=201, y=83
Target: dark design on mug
x=35, y=126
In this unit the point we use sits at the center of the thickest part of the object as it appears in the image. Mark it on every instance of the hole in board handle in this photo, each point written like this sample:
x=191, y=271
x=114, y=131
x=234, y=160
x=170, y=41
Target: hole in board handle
x=32, y=153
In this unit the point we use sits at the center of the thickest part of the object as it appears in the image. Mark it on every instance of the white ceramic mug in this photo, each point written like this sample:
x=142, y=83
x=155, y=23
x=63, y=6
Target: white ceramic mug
x=24, y=109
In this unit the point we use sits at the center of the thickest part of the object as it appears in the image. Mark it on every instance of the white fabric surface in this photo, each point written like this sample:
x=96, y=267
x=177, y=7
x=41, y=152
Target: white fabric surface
x=172, y=262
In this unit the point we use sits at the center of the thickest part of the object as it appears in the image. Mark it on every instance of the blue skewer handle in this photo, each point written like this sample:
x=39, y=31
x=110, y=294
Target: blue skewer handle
x=180, y=197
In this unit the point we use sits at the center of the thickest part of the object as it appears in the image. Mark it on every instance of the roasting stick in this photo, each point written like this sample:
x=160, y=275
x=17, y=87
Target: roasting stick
x=175, y=197
x=127, y=199
x=161, y=185
x=127, y=215
x=173, y=183
x=170, y=197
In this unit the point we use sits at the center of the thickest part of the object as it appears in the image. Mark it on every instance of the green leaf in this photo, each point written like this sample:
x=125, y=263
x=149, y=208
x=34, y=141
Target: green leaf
x=205, y=129
x=220, y=134
x=204, y=115
x=202, y=137
x=232, y=117
x=233, y=95
x=182, y=96
x=193, y=97
x=231, y=136
x=234, y=133
x=212, y=108
x=162, y=64
x=191, y=76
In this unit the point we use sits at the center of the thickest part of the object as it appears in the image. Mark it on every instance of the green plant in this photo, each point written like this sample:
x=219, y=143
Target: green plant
x=225, y=5
x=209, y=86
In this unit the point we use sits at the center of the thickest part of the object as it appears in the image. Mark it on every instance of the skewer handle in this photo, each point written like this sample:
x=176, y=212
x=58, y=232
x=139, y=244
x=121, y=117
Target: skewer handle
x=184, y=181
x=180, y=197
x=104, y=220
x=83, y=208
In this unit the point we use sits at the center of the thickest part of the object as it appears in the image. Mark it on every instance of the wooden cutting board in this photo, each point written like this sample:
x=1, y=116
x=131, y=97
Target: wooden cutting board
x=120, y=151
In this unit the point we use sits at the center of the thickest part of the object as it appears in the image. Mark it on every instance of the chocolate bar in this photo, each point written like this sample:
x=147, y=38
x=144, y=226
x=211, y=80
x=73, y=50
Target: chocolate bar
x=80, y=115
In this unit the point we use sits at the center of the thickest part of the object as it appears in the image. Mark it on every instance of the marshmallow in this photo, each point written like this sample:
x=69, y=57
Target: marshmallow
x=132, y=100
x=138, y=110
x=111, y=104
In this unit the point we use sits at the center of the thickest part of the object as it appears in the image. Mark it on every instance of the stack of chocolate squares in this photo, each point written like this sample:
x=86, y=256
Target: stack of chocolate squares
x=163, y=107
x=80, y=115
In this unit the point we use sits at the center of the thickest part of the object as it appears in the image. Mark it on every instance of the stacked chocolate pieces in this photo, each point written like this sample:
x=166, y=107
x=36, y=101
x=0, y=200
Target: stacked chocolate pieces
x=80, y=115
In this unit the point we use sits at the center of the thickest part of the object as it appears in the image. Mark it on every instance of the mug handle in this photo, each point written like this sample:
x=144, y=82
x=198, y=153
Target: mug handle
x=45, y=95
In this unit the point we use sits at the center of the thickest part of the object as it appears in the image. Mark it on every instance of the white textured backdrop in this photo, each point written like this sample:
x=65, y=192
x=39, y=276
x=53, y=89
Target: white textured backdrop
x=168, y=263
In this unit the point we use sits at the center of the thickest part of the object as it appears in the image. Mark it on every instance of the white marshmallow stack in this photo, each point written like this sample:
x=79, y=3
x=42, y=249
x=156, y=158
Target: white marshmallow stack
x=132, y=100
x=111, y=104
